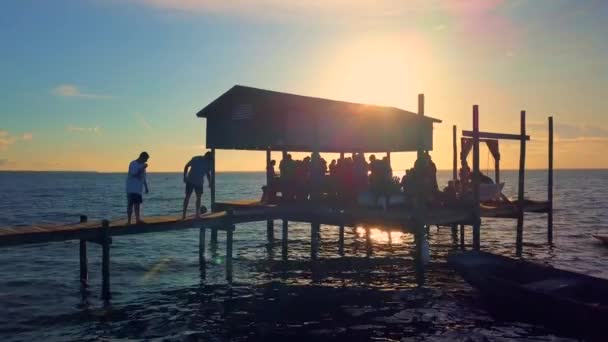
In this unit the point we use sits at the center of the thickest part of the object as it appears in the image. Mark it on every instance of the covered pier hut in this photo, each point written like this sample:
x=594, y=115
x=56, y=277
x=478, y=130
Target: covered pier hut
x=252, y=119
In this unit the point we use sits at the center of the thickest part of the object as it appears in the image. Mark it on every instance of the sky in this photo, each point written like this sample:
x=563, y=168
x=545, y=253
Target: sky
x=88, y=84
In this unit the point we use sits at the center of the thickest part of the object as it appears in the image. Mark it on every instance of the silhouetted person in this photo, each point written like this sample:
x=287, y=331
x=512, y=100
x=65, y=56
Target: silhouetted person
x=464, y=173
x=136, y=184
x=287, y=167
x=194, y=176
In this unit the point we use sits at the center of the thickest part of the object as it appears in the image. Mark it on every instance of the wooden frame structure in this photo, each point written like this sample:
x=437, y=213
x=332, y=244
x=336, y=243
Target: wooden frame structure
x=478, y=137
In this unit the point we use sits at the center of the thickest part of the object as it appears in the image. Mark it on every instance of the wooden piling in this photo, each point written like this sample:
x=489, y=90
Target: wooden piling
x=462, y=236
x=229, y=244
x=368, y=241
x=212, y=192
x=201, y=247
x=341, y=241
x=520, y=185
x=285, y=241
x=476, y=199
x=315, y=227
x=105, y=261
x=213, y=239
x=550, y=184
x=84, y=273
x=455, y=154
x=269, y=223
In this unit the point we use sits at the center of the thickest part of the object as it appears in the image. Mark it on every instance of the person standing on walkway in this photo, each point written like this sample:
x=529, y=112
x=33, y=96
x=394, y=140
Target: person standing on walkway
x=199, y=167
x=136, y=184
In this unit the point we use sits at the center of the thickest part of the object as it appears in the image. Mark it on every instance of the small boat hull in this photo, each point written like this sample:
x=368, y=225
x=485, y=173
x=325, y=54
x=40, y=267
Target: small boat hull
x=566, y=301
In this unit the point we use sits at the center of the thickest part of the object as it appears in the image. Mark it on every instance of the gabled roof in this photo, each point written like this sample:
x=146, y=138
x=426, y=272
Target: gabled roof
x=246, y=118
x=312, y=104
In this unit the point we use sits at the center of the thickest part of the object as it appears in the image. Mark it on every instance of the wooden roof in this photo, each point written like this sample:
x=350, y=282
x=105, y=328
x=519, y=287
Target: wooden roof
x=247, y=118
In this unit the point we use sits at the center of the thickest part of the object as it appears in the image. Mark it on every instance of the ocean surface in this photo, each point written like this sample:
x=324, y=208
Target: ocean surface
x=159, y=294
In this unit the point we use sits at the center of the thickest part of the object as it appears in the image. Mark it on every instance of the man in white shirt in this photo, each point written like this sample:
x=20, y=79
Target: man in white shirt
x=136, y=183
x=200, y=166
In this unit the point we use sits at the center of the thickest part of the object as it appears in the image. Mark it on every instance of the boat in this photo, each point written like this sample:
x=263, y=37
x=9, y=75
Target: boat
x=602, y=237
x=568, y=302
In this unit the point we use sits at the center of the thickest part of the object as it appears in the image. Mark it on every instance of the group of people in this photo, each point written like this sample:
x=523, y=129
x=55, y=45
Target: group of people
x=195, y=172
x=343, y=178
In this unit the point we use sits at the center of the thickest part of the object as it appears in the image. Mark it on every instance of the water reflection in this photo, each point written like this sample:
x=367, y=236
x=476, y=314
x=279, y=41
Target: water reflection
x=384, y=236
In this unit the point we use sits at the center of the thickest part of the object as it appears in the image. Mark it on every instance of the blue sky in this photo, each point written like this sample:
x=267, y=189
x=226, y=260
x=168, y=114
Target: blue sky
x=88, y=84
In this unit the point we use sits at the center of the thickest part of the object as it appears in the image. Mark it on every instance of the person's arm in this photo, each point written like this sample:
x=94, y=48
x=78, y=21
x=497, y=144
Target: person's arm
x=186, y=170
x=146, y=182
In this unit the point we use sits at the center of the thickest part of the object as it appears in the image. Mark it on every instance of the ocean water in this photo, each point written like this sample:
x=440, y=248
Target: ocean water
x=159, y=294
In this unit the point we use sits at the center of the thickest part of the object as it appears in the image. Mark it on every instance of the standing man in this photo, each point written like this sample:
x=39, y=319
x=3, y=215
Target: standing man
x=136, y=183
x=200, y=166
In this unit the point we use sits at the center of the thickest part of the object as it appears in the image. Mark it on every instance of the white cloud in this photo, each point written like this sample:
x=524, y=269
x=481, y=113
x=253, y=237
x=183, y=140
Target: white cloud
x=78, y=129
x=141, y=119
x=70, y=90
x=7, y=139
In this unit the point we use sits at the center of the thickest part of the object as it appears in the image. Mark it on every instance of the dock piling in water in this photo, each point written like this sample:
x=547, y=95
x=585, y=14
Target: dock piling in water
x=84, y=273
x=476, y=179
x=550, y=184
x=105, y=262
x=520, y=185
x=285, y=239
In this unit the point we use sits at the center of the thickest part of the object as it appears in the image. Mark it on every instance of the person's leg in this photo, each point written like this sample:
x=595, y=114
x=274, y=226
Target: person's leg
x=136, y=207
x=129, y=209
x=186, y=200
x=198, y=205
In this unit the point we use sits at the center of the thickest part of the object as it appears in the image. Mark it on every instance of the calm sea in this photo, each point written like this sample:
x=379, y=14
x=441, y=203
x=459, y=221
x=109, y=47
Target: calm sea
x=158, y=292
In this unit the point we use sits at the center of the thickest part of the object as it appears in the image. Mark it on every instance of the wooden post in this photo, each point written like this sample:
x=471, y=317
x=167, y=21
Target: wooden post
x=84, y=273
x=314, y=239
x=476, y=210
x=388, y=156
x=229, y=240
x=368, y=241
x=550, y=184
x=462, y=236
x=497, y=169
x=269, y=223
x=341, y=241
x=520, y=185
x=455, y=154
x=201, y=247
x=420, y=151
x=105, y=261
x=212, y=192
x=285, y=242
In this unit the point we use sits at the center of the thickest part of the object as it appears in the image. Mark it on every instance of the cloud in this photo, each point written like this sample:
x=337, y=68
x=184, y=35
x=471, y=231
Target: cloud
x=571, y=132
x=70, y=90
x=141, y=119
x=78, y=129
x=7, y=139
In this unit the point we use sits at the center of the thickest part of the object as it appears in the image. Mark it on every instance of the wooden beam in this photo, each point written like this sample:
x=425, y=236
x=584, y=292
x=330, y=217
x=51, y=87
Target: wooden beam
x=476, y=178
x=495, y=136
x=550, y=184
x=520, y=185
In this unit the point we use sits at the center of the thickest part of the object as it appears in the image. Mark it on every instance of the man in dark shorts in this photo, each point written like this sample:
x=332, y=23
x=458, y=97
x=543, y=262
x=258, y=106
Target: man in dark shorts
x=199, y=167
x=136, y=183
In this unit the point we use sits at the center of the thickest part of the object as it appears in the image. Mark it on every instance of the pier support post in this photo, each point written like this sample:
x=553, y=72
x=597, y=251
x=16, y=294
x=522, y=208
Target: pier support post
x=213, y=235
x=212, y=192
x=550, y=185
x=419, y=237
x=315, y=227
x=462, y=236
x=105, y=261
x=269, y=223
x=341, y=240
x=229, y=241
x=368, y=241
x=285, y=241
x=520, y=185
x=84, y=273
x=201, y=248
x=476, y=198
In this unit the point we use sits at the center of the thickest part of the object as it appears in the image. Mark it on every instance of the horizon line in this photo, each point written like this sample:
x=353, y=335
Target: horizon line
x=262, y=170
